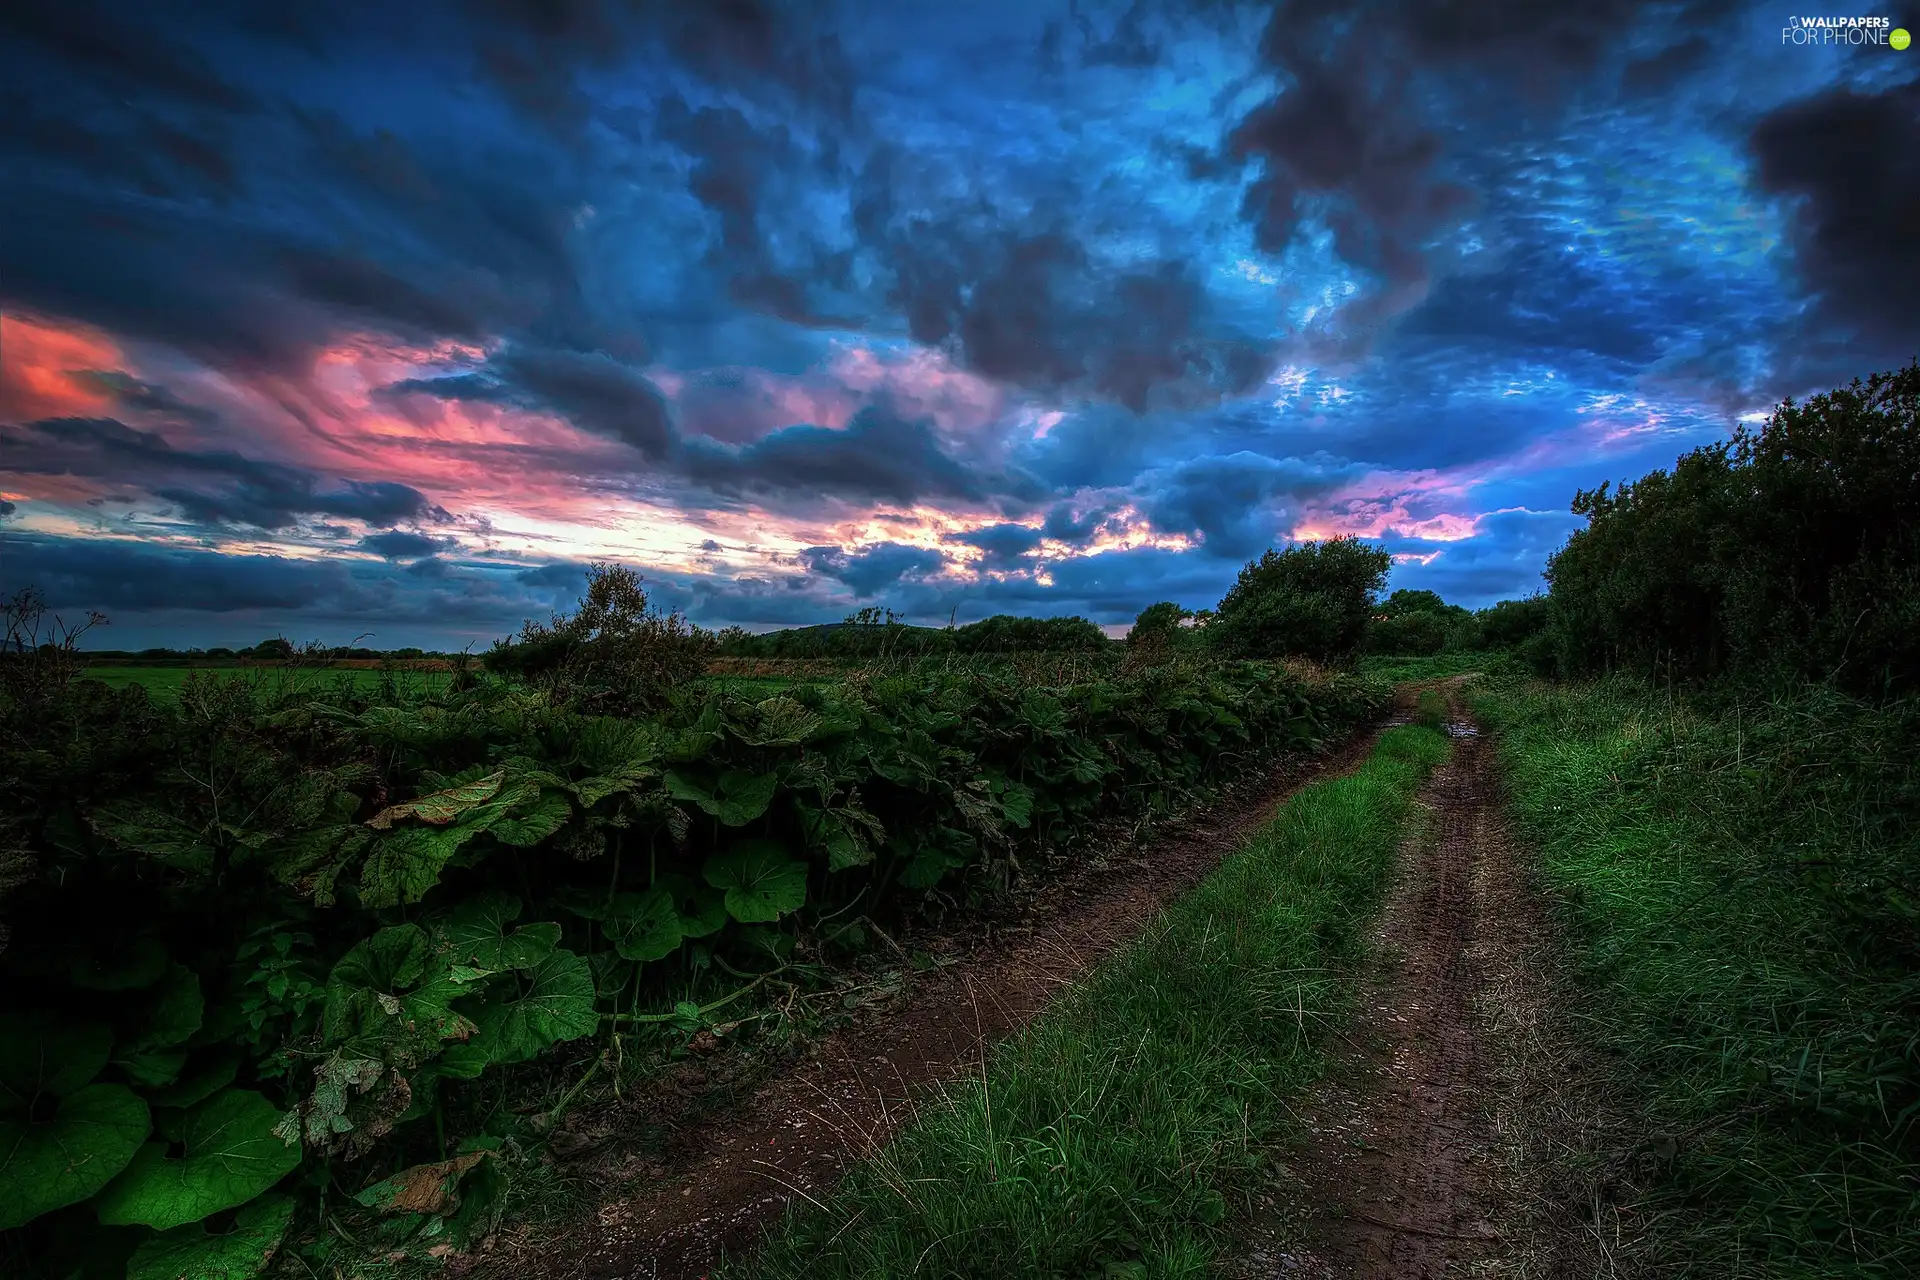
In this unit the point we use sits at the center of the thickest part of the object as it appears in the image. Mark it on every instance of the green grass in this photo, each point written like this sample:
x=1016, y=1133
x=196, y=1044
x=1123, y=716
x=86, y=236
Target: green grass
x=1127, y=1124
x=165, y=682
x=1740, y=886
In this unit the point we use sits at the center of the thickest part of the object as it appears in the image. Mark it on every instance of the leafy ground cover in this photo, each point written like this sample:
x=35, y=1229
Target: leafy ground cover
x=283, y=959
x=1119, y=1132
x=1738, y=875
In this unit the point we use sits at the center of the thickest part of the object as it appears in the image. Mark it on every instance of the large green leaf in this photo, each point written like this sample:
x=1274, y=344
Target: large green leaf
x=760, y=881
x=174, y=1011
x=475, y=933
x=406, y=864
x=737, y=798
x=41, y=1055
x=47, y=1164
x=442, y=806
x=702, y=910
x=206, y=1078
x=779, y=722
x=529, y=824
x=231, y=1156
x=643, y=926
x=392, y=987
x=152, y=1068
x=190, y=1253
x=553, y=1002
x=158, y=833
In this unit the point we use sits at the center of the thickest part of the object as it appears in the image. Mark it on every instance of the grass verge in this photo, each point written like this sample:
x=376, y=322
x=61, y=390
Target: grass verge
x=1739, y=886
x=1118, y=1133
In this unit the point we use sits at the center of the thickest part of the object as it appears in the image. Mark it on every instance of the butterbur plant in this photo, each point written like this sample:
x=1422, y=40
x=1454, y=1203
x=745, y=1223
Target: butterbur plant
x=276, y=948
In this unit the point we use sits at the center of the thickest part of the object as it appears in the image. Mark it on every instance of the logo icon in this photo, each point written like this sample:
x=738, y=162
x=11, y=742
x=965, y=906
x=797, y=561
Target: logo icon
x=1899, y=39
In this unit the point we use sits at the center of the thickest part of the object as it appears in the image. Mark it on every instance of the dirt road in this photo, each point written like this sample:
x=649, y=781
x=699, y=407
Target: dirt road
x=726, y=1178
x=1418, y=1162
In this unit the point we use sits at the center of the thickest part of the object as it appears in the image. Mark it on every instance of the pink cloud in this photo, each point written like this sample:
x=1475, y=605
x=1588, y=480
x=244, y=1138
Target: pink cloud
x=40, y=366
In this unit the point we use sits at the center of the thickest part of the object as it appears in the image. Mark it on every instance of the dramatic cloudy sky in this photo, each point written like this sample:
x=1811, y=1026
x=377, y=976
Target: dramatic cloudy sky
x=329, y=319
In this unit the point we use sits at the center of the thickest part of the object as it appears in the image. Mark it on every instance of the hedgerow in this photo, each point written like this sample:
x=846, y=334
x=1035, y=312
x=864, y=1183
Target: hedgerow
x=261, y=943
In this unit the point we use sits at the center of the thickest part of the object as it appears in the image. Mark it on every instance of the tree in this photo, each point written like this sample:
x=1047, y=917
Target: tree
x=1417, y=634
x=1312, y=600
x=1792, y=549
x=615, y=655
x=1404, y=601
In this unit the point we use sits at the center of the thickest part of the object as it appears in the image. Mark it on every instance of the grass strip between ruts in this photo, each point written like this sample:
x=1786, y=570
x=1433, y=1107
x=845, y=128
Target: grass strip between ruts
x=1118, y=1133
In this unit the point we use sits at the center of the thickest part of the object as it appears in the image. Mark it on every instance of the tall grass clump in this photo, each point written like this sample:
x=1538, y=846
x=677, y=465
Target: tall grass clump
x=1741, y=878
x=1118, y=1133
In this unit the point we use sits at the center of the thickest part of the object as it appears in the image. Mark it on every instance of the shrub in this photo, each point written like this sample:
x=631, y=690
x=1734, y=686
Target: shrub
x=614, y=656
x=1412, y=635
x=1313, y=601
x=1511, y=622
x=1790, y=551
x=1006, y=633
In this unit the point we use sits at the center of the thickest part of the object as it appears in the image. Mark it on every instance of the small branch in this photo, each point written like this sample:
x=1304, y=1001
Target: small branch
x=722, y=1002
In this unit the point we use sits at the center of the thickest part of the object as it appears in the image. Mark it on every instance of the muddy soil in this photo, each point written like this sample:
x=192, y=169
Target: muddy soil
x=727, y=1176
x=1417, y=1162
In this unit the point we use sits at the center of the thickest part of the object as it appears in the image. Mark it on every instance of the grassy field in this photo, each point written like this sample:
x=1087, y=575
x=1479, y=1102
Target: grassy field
x=166, y=681
x=1739, y=885
x=1119, y=1133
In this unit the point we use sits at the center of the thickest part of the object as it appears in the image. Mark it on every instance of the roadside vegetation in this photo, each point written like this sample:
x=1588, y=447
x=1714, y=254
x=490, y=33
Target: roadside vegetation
x=1737, y=877
x=310, y=970
x=1729, y=820
x=1121, y=1132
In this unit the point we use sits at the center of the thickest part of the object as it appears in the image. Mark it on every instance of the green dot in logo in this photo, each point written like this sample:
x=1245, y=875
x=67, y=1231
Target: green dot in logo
x=1899, y=39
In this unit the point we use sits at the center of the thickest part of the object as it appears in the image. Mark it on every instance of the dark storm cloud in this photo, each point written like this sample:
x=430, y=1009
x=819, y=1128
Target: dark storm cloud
x=77, y=573
x=399, y=544
x=212, y=486
x=131, y=55
x=538, y=52
x=1237, y=504
x=1849, y=162
x=145, y=397
x=558, y=574
x=6, y=508
x=430, y=567
x=749, y=177
x=1074, y=527
x=1020, y=298
x=1039, y=312
x=1015, y=295
x=875, y=567
x=877, y=456
x=593, y=392
x=1350, y=143
x=112, y=575
x=1005, y=545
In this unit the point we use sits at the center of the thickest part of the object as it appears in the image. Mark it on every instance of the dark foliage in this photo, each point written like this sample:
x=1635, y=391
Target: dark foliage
x=324, y=925
x=1791, y=551
x=614, y=656
x=1313, y=601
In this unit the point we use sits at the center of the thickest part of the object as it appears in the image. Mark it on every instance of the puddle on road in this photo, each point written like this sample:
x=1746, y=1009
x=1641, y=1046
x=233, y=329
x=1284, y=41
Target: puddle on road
x=1456, y=729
